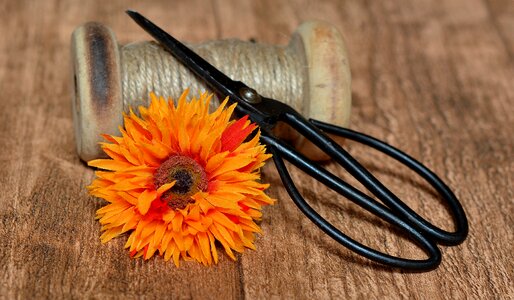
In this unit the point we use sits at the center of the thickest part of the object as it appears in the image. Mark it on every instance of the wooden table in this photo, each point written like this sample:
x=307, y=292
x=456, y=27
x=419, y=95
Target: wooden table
x=433, y=77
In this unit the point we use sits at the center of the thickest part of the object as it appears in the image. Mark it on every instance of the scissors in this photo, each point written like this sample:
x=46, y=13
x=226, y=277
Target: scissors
x=268, y=112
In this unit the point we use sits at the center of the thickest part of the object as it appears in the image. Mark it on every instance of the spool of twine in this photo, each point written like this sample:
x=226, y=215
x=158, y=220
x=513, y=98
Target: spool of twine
x=275, y=71
x=311, y=74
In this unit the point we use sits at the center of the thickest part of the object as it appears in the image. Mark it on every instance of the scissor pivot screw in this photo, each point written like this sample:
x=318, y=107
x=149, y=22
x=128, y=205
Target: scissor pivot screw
x=250, y=95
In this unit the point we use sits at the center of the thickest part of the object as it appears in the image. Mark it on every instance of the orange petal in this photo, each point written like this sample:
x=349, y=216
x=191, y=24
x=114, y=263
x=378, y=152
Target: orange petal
x=165, y=187
x=215, y=161
x=109, y=164
x=145, y=200
x=231, y=164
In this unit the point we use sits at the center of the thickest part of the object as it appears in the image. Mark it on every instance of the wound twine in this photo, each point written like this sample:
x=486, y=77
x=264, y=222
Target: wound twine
x=275, y=72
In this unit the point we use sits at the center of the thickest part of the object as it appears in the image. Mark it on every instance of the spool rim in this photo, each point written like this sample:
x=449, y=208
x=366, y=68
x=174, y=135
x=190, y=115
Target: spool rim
x=328, y=97
x=97, y=100
x=329, y=72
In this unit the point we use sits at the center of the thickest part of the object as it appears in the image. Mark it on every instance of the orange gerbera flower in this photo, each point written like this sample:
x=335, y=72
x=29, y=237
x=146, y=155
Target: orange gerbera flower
x=179, y=179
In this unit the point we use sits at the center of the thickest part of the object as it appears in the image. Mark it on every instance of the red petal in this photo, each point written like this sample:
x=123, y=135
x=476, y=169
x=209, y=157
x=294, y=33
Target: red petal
x=233, y=219
x=235, y=134
x=243, y=207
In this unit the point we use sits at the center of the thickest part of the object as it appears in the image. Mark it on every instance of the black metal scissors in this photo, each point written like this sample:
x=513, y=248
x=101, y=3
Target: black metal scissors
x=268, y=112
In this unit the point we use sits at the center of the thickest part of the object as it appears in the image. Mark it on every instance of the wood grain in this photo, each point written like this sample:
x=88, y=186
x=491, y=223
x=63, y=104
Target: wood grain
x=433, y=77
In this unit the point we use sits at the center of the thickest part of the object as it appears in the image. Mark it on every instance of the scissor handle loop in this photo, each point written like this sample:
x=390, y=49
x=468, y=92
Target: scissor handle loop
x=311, y=131
x=394, y=211
x=439, y=235
x=280, y=149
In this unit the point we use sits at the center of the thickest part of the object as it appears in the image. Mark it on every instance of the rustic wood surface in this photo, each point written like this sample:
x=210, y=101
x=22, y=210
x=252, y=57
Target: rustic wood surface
x=433, y=77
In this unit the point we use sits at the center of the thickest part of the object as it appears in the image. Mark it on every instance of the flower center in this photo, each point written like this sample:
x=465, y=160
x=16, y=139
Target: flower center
x=189, y=178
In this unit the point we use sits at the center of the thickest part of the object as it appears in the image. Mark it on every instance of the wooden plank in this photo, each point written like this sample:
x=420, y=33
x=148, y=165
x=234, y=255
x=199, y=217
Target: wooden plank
x=433, y=77
x=501, y=13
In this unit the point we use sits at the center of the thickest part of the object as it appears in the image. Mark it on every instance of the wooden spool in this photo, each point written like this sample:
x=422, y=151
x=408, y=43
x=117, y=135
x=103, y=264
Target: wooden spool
x=99, y=76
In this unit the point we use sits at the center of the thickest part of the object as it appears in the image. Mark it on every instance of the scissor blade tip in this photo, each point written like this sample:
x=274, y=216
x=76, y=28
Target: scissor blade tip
x=133, y=14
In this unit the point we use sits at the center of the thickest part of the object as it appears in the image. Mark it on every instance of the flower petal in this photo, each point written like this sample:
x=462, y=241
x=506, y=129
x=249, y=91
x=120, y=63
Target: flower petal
x=165, y=187
x=145, y=200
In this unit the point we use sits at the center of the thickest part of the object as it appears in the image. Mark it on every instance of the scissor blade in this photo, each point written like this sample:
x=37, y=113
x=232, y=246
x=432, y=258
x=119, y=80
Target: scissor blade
x=219, y=81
